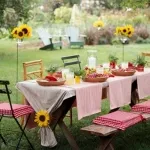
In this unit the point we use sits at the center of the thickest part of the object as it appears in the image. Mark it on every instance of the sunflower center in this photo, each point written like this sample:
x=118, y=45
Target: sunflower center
x=129, y=32
x=20, y=34
x=42, y=118
x=15, y=32
x=25, y=30
x=124, y=30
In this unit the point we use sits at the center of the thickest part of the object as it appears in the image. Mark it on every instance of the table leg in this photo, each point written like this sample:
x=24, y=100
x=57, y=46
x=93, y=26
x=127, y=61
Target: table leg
x=58, y=117
x=105, y=143
x=68, y=135
x=134, y=94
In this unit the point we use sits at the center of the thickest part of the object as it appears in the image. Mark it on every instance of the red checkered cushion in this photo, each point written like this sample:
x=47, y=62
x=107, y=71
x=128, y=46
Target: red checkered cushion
x=18, y=109
x=142, y=107
x=118, y=119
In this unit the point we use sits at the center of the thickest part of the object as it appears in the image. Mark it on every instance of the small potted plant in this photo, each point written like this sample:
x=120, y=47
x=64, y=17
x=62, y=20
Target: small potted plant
x=78, y=75
x=140, y=63
x=52, y=70
x=113, y=60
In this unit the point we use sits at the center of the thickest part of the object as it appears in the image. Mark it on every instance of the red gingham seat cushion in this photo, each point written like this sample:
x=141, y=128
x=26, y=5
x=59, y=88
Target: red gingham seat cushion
x=142, y=107
x=18, y=109
x=118, y=119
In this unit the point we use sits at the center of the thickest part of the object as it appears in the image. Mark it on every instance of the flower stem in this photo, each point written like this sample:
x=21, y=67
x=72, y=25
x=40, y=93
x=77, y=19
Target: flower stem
x=123, y=53
x=17, y=71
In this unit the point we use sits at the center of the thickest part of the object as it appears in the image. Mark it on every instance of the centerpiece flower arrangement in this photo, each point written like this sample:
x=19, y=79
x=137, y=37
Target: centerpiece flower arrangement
x=124, y=33
x=42, y=118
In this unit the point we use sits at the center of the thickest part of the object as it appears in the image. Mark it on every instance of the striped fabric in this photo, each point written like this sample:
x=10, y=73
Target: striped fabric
x=118, y=119
x=142, y=107
x=19, y=110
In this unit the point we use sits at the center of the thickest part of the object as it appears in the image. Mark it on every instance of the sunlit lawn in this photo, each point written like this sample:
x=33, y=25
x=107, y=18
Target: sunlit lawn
x=136, y=138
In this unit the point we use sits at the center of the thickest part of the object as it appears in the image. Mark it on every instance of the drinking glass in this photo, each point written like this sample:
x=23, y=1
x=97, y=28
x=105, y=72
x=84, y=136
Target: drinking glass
x=106, y=68
x=64, y=72
x=70, y=78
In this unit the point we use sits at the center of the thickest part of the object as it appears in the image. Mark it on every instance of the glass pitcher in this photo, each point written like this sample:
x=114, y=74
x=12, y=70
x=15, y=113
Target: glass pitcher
x=92, y=58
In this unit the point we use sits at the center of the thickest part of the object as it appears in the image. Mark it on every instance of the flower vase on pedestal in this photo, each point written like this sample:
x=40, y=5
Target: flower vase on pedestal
x=124, y=33
x=123, y=42
x=21, y=32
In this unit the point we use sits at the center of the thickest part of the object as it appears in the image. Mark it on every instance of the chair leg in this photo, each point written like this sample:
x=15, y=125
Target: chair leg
x=23, y=133
x=3, y=139
x=71, y=117
x=1, y=134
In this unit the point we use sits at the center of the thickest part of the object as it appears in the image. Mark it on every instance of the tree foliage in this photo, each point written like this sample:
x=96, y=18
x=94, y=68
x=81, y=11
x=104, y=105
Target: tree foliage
x=136, y=3
x=20, y=9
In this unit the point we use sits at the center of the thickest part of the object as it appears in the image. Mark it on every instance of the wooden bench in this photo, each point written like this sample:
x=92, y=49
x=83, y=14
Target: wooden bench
x=106, y=133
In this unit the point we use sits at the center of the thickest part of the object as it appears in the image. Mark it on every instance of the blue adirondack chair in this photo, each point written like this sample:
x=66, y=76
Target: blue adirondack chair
x=75, y=38
x=47, y=39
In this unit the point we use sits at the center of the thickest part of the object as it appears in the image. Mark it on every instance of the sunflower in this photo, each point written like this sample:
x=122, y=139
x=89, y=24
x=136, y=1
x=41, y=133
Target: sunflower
x=124, y=31
x=15, y=32
x=26, y=30
x=130, y=30
x=42, y=118
x=20, y=34
x=118, y=31
x=98, y=24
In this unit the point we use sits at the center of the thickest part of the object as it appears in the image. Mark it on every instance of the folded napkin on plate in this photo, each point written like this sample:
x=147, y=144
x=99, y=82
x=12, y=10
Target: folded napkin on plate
x=118, y=119
x=88, y=98
x=142, y=107
x=119, y=91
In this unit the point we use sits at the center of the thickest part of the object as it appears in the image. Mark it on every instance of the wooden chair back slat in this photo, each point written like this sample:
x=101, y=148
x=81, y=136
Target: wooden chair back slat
x=34, y=74
x=71, y=60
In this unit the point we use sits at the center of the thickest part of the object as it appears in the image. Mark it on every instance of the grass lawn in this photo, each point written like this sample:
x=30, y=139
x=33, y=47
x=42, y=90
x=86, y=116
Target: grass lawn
x=136, y=137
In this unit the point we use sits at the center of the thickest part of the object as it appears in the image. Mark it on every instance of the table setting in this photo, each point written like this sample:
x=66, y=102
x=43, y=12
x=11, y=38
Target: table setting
x=86, y=86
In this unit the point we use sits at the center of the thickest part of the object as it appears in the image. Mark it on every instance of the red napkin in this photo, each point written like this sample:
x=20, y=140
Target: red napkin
x=119, y=119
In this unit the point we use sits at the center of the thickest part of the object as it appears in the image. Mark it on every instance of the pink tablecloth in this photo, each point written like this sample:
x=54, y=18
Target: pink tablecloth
x=88, y=98
x=119, y=91
x=143, y=82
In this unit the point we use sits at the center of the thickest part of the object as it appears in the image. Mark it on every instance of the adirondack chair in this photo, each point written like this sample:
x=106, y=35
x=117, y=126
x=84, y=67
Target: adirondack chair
x=47, y=40
x=75, y=38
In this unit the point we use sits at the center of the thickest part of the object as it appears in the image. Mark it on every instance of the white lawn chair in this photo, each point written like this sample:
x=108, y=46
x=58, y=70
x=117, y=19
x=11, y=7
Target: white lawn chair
x=75, y=38
x=47, y=39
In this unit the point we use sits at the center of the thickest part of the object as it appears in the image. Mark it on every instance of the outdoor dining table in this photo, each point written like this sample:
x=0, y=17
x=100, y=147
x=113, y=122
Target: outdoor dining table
x=57, y=100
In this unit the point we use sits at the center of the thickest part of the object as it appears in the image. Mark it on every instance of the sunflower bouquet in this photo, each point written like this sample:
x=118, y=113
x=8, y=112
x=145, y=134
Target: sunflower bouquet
x=98, y=24
x=124, y=33
x=21, y=32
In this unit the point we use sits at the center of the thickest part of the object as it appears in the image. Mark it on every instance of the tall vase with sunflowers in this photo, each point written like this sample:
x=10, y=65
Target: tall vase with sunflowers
x=124, y=33
x=19, y=33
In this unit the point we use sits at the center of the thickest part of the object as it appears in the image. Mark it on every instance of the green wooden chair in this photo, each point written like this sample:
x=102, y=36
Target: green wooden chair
x=47, y=39
x=74, y=36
